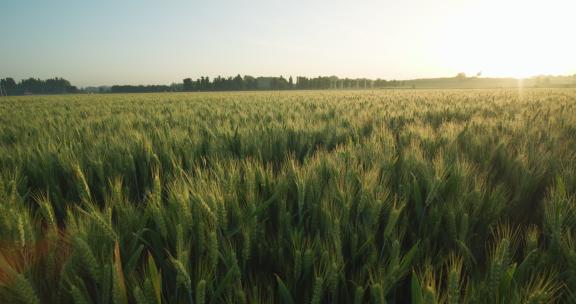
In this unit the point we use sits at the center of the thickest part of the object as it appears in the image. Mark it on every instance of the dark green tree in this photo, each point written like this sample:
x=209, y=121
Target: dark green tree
x=9, y=86
x=238, y=83
x=187, y=85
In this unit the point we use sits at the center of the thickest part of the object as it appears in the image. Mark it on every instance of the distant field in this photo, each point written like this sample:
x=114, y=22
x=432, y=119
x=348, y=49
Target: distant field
x=420, y=196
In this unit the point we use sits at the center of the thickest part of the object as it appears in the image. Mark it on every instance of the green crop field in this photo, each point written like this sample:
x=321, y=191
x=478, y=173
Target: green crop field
x=388, y=196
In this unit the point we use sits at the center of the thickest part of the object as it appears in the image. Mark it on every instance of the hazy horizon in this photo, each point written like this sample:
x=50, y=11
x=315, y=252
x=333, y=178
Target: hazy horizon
x=151, y=42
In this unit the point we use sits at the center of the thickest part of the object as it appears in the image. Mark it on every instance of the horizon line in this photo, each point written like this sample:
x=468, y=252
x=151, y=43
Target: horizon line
x=309, y=77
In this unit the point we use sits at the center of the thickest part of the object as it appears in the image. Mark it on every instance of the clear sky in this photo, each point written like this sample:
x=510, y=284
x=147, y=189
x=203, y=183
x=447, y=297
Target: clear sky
x=147, y=42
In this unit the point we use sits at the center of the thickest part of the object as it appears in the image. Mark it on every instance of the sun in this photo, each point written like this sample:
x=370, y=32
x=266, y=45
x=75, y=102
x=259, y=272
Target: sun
x=519, y=39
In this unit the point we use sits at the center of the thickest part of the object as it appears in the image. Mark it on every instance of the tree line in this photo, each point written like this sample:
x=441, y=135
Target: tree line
x=247, y=82
x=144, y=88
x=8, y=86
x=250, y=83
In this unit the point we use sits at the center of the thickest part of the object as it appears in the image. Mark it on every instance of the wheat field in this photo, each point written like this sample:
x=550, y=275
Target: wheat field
x=384, y=196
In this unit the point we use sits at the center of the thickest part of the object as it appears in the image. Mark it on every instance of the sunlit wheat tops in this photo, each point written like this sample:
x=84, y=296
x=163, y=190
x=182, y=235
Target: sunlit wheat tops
x=397, y=196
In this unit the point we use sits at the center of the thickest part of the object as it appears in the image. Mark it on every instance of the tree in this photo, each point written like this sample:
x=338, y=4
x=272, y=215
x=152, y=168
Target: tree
x=302, y=83
x=9, y=86
x=281, y=83
x=250, y=83
x=187, y=85
x=461, y=76
x=238, y=83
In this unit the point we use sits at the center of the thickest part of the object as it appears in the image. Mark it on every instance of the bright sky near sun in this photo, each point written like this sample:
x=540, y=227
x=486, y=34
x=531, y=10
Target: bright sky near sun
x=149, y=42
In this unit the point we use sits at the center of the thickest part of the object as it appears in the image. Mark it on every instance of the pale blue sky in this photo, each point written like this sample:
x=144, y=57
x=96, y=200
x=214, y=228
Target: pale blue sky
x=145, y=42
